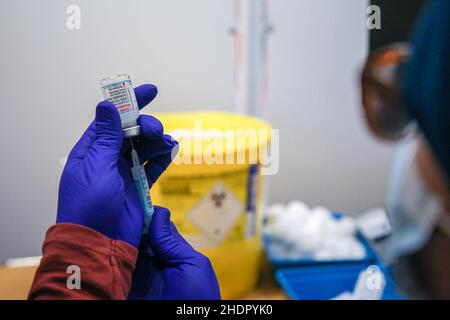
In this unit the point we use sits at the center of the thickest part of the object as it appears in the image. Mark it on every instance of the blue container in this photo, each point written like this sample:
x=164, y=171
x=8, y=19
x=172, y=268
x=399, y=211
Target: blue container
x=278, y=263
x=324, y=282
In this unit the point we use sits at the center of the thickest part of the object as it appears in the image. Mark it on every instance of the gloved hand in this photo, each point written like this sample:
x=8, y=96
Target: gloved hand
x=177, y=271
x=96, y=188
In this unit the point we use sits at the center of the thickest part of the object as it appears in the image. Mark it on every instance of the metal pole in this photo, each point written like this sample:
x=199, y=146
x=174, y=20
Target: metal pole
x=251, y=74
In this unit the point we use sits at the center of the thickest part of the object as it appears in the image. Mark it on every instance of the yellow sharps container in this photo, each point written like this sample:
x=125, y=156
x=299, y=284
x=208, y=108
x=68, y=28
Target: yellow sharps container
x=216, y=204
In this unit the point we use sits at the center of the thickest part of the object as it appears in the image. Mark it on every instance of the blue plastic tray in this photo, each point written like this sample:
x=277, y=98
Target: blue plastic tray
x=324, y=282
x=278, y=263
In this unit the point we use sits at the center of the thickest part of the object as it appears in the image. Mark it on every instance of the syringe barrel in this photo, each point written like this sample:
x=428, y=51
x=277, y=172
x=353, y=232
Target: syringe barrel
x=140, y=181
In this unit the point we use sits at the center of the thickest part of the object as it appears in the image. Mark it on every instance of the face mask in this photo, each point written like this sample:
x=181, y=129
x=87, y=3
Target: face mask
x=413, y=208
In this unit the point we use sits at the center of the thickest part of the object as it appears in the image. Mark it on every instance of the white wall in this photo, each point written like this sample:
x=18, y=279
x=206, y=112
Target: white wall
x=50, y=79
x=327, y=154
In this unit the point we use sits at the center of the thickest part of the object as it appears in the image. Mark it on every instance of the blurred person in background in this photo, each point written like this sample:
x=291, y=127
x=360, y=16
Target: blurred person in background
x=406, y=95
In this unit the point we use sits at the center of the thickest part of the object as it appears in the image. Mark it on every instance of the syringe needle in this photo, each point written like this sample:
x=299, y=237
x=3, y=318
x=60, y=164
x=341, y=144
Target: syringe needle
x=134, y=156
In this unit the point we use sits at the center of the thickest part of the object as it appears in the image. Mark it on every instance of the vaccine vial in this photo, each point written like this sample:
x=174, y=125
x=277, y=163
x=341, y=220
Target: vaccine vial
x=119, y=90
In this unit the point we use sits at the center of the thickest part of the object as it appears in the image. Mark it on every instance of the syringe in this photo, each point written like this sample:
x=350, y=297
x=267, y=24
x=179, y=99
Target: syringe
x=141, y=183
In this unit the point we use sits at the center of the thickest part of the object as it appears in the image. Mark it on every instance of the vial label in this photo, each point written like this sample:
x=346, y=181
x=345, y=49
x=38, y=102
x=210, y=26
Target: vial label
x=122, y=95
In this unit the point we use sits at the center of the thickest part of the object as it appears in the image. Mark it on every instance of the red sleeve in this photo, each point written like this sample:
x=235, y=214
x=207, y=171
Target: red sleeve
x=105, y=265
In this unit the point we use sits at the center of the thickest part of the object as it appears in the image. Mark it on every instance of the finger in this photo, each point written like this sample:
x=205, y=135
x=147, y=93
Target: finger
x=108, y=131
x=145, y=94
x=151, y=149
x=177, y=235
x=83, y=145
x=167, y=248
x=151, y=128
x=155, y=167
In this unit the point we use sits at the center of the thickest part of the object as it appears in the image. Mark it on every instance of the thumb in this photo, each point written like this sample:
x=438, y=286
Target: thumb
x=108, y=129
x=170, y=248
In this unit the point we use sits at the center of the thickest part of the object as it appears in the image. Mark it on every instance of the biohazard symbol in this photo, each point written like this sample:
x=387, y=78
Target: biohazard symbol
x=218, y=198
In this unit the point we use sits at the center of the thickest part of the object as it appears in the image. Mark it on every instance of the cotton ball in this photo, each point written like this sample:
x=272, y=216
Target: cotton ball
x=285, y=227
x=290, y=229
x=335, y=246
x=278, y=250
x=350, y=248
x=344, y=248
x=328, y=223
x=309, y=237
x=331, y=227
x=273, y=229
x=298, y=213
x=298, y=207
x=322, y=212
x=323, y=254
x=357, y=250
x=294, y=218
x=346, y=226
x=292, y=225
x=297, y=231
x=268, y=230
x=275, y=211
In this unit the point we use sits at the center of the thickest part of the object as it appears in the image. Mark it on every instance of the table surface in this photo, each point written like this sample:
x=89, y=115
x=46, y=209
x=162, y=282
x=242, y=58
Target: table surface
x=15, y=283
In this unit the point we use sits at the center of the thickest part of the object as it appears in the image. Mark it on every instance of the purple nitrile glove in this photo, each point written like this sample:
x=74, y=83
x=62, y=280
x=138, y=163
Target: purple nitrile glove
x=96, y=188
x=177, y=272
